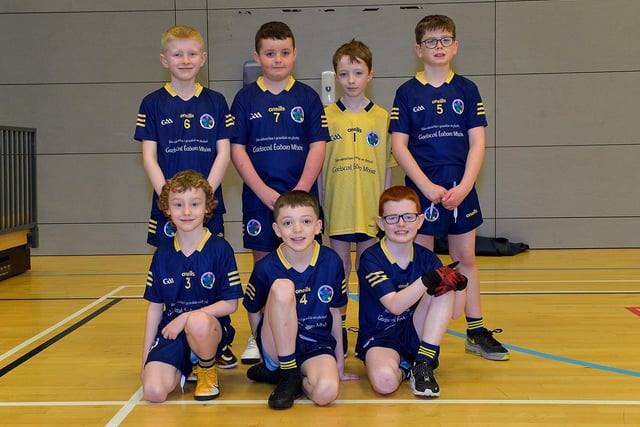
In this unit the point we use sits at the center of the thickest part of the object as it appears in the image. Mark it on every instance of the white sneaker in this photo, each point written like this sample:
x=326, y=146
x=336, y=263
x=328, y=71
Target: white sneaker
x=251, y=354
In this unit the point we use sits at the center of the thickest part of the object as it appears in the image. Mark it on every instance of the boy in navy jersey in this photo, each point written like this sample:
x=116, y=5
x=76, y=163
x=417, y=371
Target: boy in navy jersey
x=193, y=286
x=293, y=299
x=438, y=138
x=405, y=302
x=184, y=125
x=280, y=146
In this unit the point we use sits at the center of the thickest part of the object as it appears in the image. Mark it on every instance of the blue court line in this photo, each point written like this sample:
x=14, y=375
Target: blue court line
x=559, y=358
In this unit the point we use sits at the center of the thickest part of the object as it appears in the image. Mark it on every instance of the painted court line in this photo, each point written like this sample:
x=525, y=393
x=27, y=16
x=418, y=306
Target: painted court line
x=560, y=358
x=126, y=409
x=381, y=401
x=59, y=324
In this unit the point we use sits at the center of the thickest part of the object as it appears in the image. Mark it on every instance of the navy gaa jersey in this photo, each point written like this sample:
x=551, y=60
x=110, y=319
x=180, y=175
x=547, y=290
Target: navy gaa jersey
x=186, y=131
x=276, y=131
x=378, y=275
x=320, y=287
x=437, y=120
x=182, y=283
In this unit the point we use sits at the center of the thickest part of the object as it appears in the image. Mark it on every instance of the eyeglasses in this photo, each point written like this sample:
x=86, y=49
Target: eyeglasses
x=433, y=43
x=406, y=217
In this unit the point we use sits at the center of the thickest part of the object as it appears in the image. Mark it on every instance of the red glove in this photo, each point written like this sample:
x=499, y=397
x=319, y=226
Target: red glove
x=444, y=279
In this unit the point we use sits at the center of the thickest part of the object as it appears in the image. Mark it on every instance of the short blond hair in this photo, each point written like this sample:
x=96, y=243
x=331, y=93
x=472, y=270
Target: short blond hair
x=181, y=32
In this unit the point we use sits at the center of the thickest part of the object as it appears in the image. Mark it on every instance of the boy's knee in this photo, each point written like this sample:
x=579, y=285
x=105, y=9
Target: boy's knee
x=325, y=392
x=199, y=324
x=282, y=290
x=154, y=393
x=385, y=381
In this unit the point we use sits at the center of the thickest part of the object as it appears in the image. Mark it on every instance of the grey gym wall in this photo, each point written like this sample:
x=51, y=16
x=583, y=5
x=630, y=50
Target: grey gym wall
x=558, y=79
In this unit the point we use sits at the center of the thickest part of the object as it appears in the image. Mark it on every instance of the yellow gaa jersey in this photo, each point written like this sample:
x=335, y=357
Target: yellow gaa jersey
x=353, y=174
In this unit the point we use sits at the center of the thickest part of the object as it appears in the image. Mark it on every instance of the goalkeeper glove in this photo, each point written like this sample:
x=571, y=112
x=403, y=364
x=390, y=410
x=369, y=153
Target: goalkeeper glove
x=444, y=279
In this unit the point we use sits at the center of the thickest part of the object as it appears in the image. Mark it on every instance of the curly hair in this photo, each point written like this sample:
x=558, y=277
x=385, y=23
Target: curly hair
x=183, y=181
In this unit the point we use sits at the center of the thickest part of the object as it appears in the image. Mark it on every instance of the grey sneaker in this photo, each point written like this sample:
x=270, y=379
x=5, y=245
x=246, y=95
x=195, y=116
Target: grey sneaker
x=484, y=344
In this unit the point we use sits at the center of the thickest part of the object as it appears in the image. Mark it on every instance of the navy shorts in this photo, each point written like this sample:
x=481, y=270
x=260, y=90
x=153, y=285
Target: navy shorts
x=305, y=350
x=178, y=353
x=441, y=222
x=352, y=238
x=404, y=340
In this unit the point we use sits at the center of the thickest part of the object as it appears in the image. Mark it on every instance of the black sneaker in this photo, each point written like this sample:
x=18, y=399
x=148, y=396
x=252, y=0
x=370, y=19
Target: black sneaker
x=422, y=380
x=260, y=374
x=227, y=359
x=484, y=344
x=289, y=388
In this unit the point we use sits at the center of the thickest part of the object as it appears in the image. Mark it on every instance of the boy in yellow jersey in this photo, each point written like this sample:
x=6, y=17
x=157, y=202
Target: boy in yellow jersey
x=358, y=160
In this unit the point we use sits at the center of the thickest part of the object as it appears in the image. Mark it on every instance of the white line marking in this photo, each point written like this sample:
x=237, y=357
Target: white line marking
x=126, y=409
x=379, y=401
x=59, y=324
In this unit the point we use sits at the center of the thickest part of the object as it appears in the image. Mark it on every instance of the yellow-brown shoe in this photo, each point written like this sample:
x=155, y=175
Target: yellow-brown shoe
x=206, y=384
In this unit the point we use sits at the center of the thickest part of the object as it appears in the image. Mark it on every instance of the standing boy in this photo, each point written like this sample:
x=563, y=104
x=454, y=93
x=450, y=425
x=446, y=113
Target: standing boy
x=406, y=301
x=293, y=299
x=438, y=138
x=184, y=125
x=357, y=166
x=280, y=146
x=193, y=286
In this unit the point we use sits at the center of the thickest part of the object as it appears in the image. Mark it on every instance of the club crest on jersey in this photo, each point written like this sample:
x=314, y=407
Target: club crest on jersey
x=169, y=229
x=254, y=227
x=325, y=293
x=458, y=106
x=431, y=214
x=297, y=114
x=207, y=121
x=207, y=280
x=373, y=139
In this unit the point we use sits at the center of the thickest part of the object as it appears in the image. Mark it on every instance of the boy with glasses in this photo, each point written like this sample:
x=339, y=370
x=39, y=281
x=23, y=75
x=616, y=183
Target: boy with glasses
x=406, y=301
x=438, y=138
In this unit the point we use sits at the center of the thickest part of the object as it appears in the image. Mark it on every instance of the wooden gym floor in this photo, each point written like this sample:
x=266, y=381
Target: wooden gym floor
x=71, y=334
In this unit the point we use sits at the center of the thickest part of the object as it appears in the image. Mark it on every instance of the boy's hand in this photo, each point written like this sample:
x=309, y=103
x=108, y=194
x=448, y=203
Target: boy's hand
x=444, y=279
x=345, y=376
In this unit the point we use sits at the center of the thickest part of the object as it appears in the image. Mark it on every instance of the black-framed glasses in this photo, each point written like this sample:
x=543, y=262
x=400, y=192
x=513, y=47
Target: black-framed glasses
x=433, y=43
x=406, y=217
